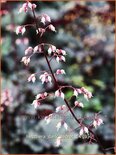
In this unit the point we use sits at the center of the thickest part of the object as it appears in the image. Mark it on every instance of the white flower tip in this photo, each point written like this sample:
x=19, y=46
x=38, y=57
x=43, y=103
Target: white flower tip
x=58, y=141
x=58, y=126
x=65, y=126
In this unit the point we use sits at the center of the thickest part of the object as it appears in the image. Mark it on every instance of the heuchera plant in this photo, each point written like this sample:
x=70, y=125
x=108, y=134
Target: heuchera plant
x=50, y=77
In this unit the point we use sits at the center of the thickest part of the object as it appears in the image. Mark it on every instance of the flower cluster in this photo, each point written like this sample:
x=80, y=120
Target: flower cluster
x=46, y=77
x=39, y=97
x=59, y=93
x=97, y=122
x=60, y=55
x=26, y=6
x=51, y=49
x=44, y=18
x=29, y=52
x=38, y=49
x=86, y=93
x=83, y=91
x=43, y=30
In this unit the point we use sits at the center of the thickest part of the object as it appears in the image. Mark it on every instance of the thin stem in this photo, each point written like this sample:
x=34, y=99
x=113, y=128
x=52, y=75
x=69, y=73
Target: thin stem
x=28, y=25
x=55, y=81
x=35, y=19
x=51, y=58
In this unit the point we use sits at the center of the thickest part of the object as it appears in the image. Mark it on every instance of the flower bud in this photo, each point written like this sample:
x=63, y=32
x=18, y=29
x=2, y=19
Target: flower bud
x=32, y=78
x=29, y=51
x=79, y=104
x=52, y=28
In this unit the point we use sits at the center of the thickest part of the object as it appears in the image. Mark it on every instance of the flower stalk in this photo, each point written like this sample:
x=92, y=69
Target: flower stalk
x=85, y=129
x=57, y=86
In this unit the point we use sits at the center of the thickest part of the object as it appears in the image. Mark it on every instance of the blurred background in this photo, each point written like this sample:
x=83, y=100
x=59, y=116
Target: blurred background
x=86, y=31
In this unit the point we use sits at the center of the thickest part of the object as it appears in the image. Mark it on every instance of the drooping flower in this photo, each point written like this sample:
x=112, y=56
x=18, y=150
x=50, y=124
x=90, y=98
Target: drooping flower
x=58, y=141
x=25, y=60
x=45, y=18
x=60, y=124
x=32, y=78
x=60, y=58
x=97, y=122
x=41, y=96
x=20, y=29
x=86, y=93
x=29, y=51
x=37, y=49
x=77, y=91
x=65, y=126
x=60, y=71
x=52, y=28
x=59, y=93
x=36, y=103
x=83, y=130
x=51, y=49
x=61, y=108
x=79, y=104
x=60, y=55
x=45, y=78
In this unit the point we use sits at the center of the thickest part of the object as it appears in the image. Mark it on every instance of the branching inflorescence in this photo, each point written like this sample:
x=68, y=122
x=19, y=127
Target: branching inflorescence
x=50, y=77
